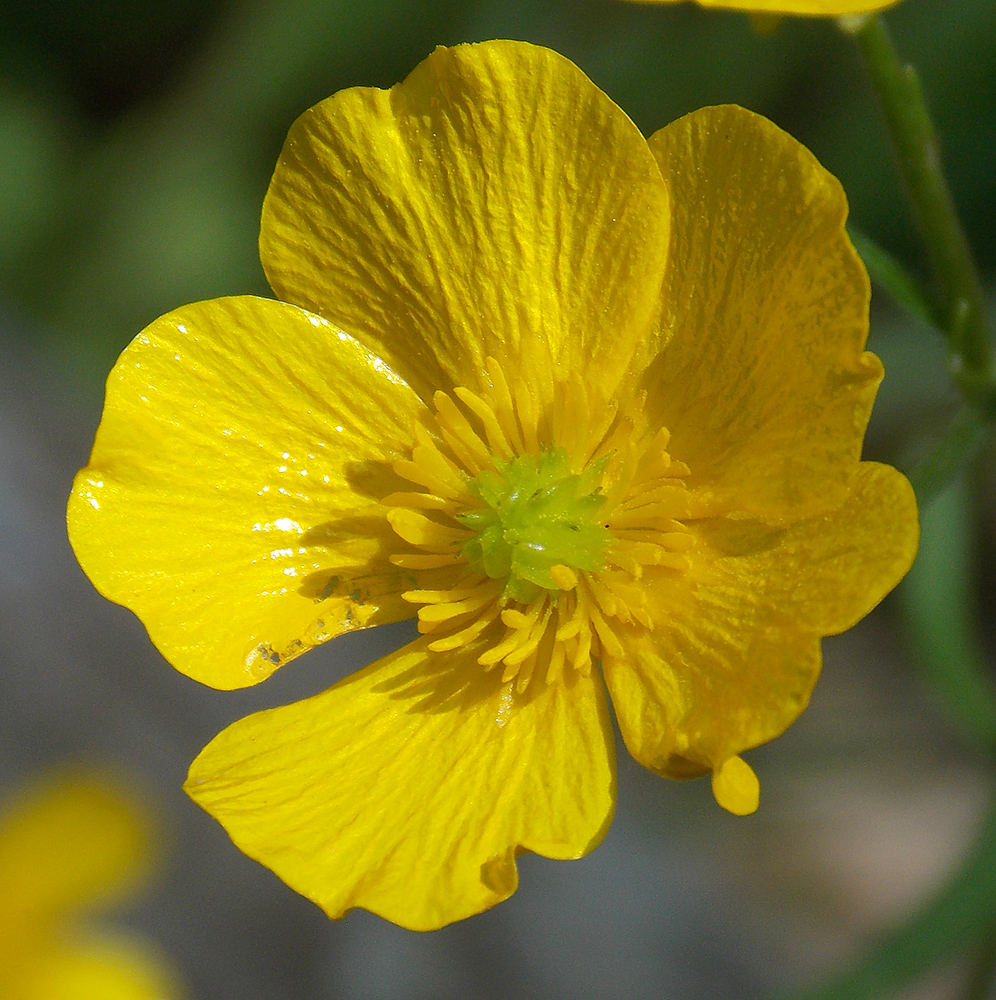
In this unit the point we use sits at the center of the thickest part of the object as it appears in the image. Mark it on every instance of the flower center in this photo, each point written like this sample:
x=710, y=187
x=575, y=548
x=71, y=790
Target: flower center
x=538, y=520
x=534, y=533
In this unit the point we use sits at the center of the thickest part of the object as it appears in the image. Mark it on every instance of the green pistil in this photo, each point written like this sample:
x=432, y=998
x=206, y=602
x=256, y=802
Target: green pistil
x=537, y=514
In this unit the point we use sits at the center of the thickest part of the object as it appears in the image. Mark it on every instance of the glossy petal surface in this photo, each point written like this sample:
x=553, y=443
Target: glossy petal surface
x=814, y=8
x=494, y=203
x=409, y=788
x=735, y=652
x=764, y=383
x=231, y=500
x=666, y=334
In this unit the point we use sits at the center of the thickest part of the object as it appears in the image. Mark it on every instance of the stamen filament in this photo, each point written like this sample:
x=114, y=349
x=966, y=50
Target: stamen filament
x=492, y=429
x=413, y=560
x=419, y=530
x=555, y=514
x=504, y=409
x=459, y=435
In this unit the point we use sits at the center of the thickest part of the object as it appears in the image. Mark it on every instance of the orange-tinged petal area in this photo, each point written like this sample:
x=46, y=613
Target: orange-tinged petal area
x=494, y=203
x=812, y=8
x=409, y=788
x=764, y=384
x=70, y=843
x=232, y=496
x=734, y=651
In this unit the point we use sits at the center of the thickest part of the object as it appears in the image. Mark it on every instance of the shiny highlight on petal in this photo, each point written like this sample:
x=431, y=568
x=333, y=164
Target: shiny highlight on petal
x=590, y=406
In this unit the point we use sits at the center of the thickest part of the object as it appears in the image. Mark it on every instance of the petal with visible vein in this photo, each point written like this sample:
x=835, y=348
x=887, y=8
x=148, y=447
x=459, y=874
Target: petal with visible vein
x=232, y=496
x=764, y=383
x=735, y=649
x=409, y=788
x=495, y=202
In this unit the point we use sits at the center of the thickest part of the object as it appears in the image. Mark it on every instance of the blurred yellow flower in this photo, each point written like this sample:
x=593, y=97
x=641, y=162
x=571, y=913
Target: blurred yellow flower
x=598, y=414
x=811, y=8
x=67, y=844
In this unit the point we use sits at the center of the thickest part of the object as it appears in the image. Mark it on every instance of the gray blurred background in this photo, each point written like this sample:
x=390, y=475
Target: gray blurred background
x=136, y=143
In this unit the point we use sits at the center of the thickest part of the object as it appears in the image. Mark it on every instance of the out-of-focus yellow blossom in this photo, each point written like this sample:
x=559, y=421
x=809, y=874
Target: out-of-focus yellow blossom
x=70, y=844
x=810, y=8
x=593, y=404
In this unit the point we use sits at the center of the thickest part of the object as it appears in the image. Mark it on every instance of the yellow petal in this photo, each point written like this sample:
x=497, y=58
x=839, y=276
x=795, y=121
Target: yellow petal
x=100, y=968
x=817, y=8
x=231, y=500
x=494, y=203
x=735, y=649
x=736, y=788
x=409, y=788
x=701, y=690
x=764, y=384
x=824, y=574
x=71, y=840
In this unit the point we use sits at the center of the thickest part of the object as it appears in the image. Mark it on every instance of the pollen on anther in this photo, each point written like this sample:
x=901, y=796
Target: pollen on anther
x=564, y=577
x=495, y=485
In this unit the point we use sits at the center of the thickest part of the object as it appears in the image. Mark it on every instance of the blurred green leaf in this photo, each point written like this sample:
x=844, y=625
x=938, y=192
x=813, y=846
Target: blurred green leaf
x=958, y=443
x=938, y=600
x=953, y=922
x=893, y=278
x=937, y=595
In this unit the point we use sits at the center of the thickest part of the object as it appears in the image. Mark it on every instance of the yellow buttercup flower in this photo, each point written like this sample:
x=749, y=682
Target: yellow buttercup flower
x=592, y=404
x=69, y=843
x=810, y=8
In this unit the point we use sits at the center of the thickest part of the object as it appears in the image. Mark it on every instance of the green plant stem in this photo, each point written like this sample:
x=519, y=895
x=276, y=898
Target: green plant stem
x=982, y=977
x=950, y=453
x=942, y=619
x=917, y=151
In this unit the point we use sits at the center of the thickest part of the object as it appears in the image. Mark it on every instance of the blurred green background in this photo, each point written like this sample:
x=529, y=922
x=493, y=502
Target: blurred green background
x=136, y=144
x=137, y=140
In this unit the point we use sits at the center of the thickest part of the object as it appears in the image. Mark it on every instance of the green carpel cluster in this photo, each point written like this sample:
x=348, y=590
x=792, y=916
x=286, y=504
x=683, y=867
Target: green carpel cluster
x=538, y=514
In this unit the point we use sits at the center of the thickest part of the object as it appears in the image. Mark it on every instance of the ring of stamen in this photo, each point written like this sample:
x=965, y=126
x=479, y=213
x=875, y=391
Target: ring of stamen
x=546, y=522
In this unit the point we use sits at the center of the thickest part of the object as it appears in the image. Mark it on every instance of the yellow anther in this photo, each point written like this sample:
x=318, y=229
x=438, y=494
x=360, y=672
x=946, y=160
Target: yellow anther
x=486, y=414
x=424, y=501
x=469, y=477
x=441, y=612
x=677, y=541
x=459, y=435
x=516, y=619
x=564, y=577
x=461, y=638
x=419, y=530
